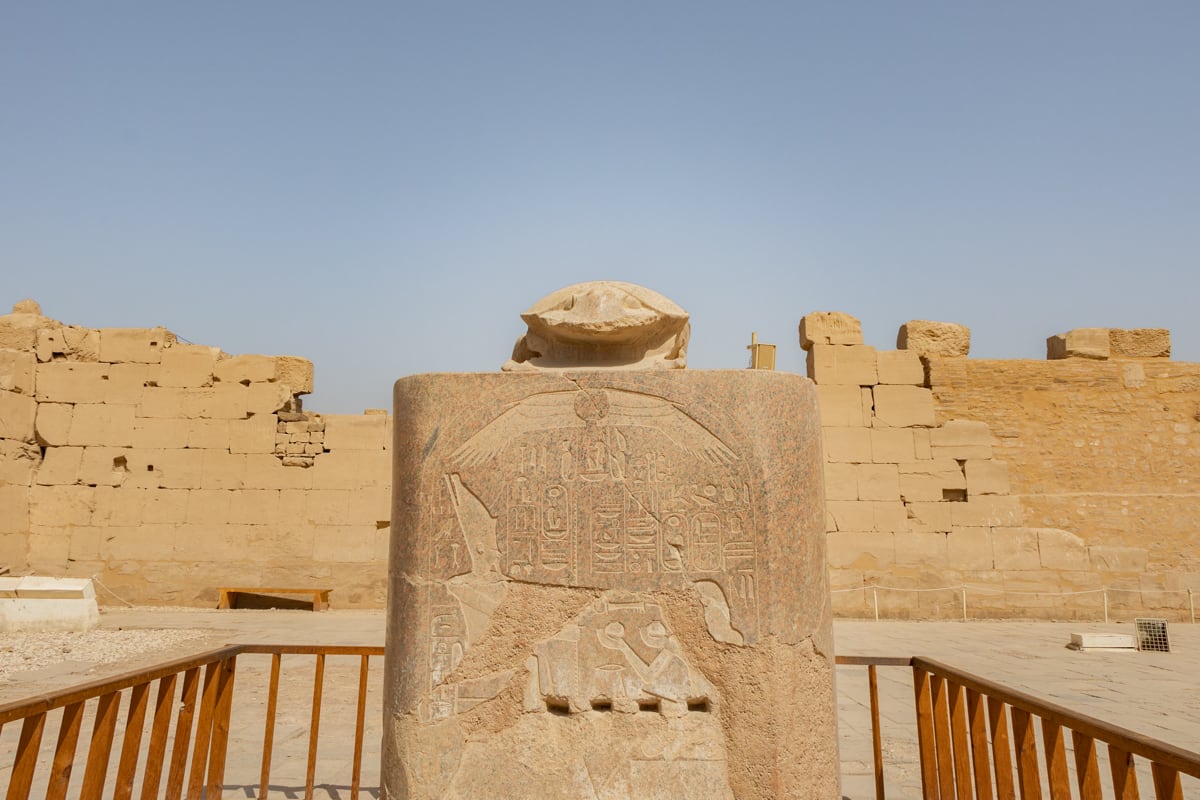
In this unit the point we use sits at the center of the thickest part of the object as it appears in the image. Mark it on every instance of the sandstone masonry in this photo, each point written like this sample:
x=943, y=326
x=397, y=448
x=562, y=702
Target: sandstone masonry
x=167, y=470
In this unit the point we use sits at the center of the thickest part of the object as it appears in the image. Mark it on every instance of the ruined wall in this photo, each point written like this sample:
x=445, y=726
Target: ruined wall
x=1109, y=450
x=1029, y=483
x=167, y=470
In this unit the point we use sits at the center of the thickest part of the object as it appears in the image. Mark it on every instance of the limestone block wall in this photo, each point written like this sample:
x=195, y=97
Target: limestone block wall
x=167, y=469
x=1028, y=482
x=1108, y=449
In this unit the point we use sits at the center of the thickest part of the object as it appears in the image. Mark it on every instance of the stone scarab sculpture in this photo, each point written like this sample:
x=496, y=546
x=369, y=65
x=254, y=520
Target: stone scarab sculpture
x=602, y=325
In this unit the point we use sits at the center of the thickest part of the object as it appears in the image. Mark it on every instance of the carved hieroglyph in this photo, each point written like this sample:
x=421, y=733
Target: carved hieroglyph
x=602, y=325
x=608, y=584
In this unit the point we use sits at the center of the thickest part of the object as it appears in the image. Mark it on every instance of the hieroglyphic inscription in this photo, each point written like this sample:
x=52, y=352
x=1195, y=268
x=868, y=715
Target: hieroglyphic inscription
x=447, y=644
x=607, y=489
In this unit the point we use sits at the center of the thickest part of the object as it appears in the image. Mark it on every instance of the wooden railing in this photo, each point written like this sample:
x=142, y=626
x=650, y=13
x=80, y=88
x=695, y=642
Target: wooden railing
x=972, y=732
x=976, y=739
x=197, y=743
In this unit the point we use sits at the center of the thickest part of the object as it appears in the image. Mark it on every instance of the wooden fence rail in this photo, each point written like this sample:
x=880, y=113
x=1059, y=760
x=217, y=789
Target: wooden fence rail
x=184, y=752
x=976, y=736
x=976, y=739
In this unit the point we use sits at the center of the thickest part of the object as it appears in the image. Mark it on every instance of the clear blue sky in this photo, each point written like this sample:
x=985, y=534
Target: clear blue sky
x=384, y=187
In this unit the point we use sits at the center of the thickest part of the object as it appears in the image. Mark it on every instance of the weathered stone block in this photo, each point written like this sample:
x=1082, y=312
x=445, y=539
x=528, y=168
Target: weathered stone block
x=14, y=512
x=160, y=432
x=268, y=472
x=83, y=543
x=853, y=365
x=1016, y=549
x=18, y=461
x=922, y=487
x=245, y=369
x=344, y=543
x=50, y=342
x=141, y=345
x=842, y=406
x=208, y=507
x=588, y=590
x=17, y=415
x=903, y=406
x=961, y=439
x=946, y=470
x=861, y=551
x=841, y=481
x=352, y=469
x=267, y=398
x=165, y=506
x=917, y=549
x=19, y=330
x=104, y=466
x=17, y=371
x=829, y=327
x=878, y=482
x=929, y=338
x=253, y=435
x=901, y=367
x=101, y=424
x=929, y=517
x=254, y=507
x=208, y=433
x=865, y=515
x=187, y=366
x=280, y=545
x=144, y=467
x=60, y=506
x=83, y=344
x=126, y=382
x=221, y=469
x=847, y=445
x=989, y=510
x=225, y=401
x=1062, y=550
x=1139, y=343
x=164, y=403
x=370, y=507
x=140, y=543
x=71, y=382
x=890, y=515
x=1079, y=343
x=970, y=548
x=349, y=432
x=327, y=507
x=892, y=446
x=118, y=507
x=14, y=550
x=1109, y=558
x=296, y=373
x=180, y=469
x=986, y=477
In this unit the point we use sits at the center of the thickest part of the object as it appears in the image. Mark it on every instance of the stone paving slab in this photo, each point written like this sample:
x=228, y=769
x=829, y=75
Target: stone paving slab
x=1156, y=694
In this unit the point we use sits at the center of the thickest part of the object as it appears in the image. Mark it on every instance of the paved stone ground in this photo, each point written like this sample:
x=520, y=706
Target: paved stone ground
x=1156, y=694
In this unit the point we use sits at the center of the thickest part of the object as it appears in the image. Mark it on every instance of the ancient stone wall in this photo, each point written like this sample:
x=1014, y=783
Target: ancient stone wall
x=1023, y=487
x=167, y=470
